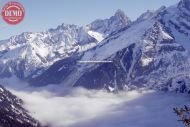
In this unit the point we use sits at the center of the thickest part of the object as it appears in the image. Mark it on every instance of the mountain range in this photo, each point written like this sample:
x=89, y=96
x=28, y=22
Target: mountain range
x=114, y=54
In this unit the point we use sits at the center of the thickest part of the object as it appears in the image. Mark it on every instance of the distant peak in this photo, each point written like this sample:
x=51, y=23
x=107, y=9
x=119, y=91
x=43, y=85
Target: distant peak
x=119, y=12
x=145, y=15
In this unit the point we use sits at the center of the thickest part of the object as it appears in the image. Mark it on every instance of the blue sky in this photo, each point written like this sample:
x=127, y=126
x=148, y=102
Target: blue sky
x=44, y=14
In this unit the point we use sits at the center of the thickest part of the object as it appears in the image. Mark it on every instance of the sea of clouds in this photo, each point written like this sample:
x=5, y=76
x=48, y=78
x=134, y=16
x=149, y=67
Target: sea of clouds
x=57, y=106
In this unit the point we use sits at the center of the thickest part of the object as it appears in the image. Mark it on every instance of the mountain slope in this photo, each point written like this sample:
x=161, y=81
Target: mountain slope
x=160, y=57
x=152, y=52
x=12, y=113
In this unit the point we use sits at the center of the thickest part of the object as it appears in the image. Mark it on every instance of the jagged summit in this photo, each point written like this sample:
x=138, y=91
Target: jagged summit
x=120, y=12
x=63, y=26
x=145, y=15
x=117, y=21
x=122, y=16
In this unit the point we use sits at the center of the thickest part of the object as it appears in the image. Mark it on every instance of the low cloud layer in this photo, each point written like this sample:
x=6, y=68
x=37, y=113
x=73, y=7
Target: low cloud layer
x=84, y=108
x=79, y=106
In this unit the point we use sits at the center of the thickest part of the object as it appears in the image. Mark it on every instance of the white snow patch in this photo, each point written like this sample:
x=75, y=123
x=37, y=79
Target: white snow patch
x=146, y=61
x=166, y=35
x=111, y=89
x=98, y=36
x=86, y=47
x=61, y=68
x=1, y=90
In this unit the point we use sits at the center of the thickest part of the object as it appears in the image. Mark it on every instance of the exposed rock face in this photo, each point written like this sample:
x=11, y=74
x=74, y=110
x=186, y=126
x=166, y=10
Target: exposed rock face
x=185, y=4
x=12, y=114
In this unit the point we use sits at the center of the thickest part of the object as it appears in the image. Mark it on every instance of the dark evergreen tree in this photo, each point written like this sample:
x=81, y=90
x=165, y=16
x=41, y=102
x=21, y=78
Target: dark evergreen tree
x=184, y=114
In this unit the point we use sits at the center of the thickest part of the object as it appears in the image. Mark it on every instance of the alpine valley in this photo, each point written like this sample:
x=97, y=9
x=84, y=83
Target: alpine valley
x=151, y=52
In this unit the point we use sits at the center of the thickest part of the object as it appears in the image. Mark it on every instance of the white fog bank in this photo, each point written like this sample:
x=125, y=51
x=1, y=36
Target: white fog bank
x=82, y=108
x=60, y=107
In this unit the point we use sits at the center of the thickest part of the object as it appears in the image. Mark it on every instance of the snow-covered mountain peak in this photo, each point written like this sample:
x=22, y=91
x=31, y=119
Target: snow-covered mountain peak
x=28, y=52
x=119, y=14
x=114, y=23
